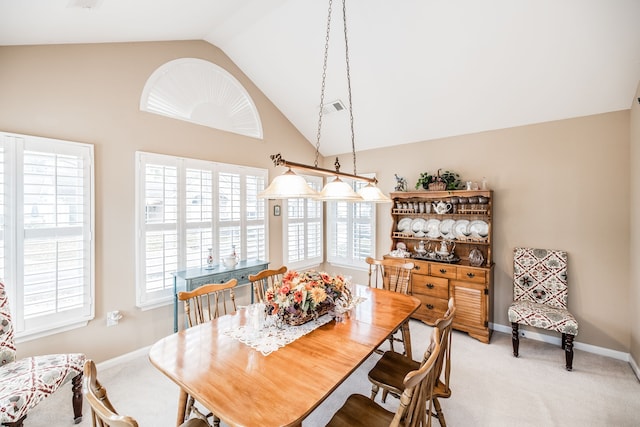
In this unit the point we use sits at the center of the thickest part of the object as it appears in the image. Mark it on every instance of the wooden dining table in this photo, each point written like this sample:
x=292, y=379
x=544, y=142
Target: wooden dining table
x=246, y=388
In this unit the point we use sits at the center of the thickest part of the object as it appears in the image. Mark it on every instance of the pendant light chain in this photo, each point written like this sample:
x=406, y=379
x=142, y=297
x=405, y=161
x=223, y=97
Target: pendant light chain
x=346, y=52
x=324, y=78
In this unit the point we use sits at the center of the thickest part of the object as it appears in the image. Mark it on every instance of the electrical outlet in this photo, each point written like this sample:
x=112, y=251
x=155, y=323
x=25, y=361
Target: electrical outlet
x=113, y=317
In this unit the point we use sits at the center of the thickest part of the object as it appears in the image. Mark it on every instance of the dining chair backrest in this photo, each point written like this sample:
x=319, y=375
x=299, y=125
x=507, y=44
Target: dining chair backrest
x=103, y=414
x=208, y=302
x=445, y=325
x=390, y=274
x=264, y=280
x=418, y=388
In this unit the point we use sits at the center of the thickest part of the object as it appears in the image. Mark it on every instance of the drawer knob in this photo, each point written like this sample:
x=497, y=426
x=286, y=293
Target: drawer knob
x=417, y=267
x=443, y=270
x=430, y=285
x=470, y=275
x=429, y=306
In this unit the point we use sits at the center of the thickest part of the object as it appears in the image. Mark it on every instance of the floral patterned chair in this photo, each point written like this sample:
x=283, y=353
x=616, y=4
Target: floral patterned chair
x=26, y=382
x=540, y=296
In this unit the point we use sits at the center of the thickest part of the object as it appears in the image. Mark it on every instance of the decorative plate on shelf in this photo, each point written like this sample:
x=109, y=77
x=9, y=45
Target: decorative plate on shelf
x=478, y=229
x=432, y=228
x=460, y=228
x=417, y=225
x=404, y=224
x=446, y=228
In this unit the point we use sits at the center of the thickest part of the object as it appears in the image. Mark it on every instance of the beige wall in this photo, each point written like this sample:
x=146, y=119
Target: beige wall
x=559, y=185
x=634, y=249
x=91, y=93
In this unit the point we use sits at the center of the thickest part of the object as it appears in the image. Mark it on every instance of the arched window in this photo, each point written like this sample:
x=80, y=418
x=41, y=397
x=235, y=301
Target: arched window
x=198, y=91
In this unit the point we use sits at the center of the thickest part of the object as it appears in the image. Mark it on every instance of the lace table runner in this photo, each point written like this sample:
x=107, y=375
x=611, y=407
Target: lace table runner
x=271, y=337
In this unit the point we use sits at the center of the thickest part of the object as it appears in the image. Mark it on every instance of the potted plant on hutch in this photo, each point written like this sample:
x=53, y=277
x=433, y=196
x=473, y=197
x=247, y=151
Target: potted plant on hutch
x=449, y=180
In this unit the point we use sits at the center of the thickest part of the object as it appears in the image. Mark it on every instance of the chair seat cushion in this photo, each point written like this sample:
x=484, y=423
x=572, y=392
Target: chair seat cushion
x=24, y=383
x=543, y=316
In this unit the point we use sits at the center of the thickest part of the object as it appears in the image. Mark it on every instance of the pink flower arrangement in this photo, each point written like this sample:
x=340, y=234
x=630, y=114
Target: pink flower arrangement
x=304, y=293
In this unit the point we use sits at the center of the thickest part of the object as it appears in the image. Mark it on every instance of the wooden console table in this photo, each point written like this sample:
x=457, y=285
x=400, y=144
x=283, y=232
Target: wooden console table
x=187, y=280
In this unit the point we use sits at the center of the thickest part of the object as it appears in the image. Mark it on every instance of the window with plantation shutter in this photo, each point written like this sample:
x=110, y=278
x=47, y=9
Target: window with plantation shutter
x=302, y=228
x=186, y=207
x=46, y=232
x=351, y=230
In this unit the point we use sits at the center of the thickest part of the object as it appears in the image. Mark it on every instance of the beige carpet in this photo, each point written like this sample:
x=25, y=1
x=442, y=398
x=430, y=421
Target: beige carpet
x=490, y=388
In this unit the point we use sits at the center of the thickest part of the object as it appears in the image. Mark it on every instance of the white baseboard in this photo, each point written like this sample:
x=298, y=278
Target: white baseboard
x=123, y=358
x=620, y=355
x=634, y=366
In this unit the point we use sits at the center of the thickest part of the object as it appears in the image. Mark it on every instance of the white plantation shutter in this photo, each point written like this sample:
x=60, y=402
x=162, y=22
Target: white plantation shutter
x=47, y=232
x=188, y=207
x=302, y=228
x=351, y=230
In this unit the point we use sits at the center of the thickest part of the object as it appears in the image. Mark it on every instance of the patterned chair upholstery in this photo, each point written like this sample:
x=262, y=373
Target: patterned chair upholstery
x=26, y=382
x=540, y=296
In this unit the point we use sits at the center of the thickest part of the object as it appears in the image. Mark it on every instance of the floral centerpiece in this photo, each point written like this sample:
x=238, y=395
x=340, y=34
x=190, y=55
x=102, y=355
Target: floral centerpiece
x=304, y=296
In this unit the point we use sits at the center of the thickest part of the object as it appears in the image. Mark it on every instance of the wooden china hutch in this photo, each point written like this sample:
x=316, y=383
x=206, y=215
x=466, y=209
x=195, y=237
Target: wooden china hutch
x=448, y=235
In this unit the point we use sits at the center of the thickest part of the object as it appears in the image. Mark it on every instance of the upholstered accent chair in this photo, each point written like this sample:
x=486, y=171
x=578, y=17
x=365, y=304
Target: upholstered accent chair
x=264, y=280
x=103, y=414
x=359, y=410
x=26, y=382
x=540, y=296
x=393, y=275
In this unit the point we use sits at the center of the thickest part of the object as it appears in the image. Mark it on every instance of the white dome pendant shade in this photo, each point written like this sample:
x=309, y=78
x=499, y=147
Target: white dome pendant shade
x=338, y=190
x=371, y=193
x=288, y=186
x=198, y=91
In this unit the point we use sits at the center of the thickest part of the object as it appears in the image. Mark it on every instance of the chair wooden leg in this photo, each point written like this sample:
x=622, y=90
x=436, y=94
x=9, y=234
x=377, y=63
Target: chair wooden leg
x=15, y=423
x=564, y=338
x=439, y=413
x=76, y=399
x=385, y=393
x=515, y=340
x=406, y=338
x=374, y=391
x=568, y=351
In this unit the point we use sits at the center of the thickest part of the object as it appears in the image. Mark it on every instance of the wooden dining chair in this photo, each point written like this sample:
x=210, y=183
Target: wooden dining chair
x=264, y=280
x=204, y=304
x=391, y=368
x=393, y=275
x=358, y=410
x=103, y=414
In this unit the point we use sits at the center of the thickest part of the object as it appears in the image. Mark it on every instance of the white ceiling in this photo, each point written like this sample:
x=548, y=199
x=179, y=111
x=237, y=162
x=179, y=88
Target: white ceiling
x=420, y=69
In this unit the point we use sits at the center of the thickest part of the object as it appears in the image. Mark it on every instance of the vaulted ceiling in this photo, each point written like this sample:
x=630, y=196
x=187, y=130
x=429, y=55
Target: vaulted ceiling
x=420, y=69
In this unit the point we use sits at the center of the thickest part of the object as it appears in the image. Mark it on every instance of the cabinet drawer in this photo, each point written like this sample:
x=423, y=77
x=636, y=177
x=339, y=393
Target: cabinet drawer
x=431, y=309
x=436, y=287
x=472, y=275
x=443, y=270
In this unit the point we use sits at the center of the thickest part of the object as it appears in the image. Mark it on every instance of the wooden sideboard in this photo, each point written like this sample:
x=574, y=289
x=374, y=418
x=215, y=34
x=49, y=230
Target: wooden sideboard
x=187, y=280
x=435, y=280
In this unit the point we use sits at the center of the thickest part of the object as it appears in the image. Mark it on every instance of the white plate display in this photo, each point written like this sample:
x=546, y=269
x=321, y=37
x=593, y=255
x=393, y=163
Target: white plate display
x=446, y=228
x=432, y=228
x=478, y=229
x=417, y=225
x=460, y=229
x=404, y=224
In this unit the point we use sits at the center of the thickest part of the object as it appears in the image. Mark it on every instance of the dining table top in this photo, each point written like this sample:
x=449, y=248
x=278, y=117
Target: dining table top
x=246, y=388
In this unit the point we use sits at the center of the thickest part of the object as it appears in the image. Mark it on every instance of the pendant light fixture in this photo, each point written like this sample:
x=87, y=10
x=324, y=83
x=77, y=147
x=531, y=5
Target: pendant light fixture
x=336, y=190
